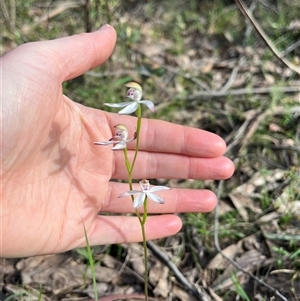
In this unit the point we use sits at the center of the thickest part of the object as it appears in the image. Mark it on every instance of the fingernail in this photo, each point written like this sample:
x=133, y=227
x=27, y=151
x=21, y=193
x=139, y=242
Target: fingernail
x=104, y=27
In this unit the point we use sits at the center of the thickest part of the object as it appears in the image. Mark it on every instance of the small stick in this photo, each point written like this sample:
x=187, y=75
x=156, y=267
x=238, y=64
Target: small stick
x=163, y=257
x=247, y=13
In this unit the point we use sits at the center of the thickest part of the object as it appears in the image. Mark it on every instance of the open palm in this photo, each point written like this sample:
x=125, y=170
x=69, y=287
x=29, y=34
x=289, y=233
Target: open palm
x=54, y=179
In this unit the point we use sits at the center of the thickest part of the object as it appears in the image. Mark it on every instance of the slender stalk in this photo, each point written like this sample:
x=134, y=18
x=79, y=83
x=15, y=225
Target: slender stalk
x=129, y=170
x=146, y=263
x=128, y=167
x=145, y=251
x=138, y=128
x=91, y=263
x=138, y=215
x=142, y=219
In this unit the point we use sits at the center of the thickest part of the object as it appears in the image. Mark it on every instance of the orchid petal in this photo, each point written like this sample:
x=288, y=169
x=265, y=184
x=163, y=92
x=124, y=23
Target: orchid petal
x=118, y=105
x=129, y=140
x=130, y=192
x=148, y=103
x=132, y=107
x=158, y=188
x=139, y=200
x=120, y=145
x=105, y=142
x=155, y=197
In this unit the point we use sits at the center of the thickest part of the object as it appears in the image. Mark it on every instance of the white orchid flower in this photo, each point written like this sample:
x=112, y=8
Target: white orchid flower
x=135, y=93
x=119, y=139
x=145, y=191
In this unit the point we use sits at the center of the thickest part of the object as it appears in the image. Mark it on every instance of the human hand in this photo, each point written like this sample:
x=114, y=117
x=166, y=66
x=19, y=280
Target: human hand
x=54, y=179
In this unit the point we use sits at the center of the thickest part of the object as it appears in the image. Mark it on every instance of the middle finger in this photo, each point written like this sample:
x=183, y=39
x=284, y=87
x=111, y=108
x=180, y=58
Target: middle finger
x=172, y=166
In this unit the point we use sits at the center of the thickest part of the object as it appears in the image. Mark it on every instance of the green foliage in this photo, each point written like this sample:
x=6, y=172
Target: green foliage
x=25, y=295
x=90, y=258
x=202, y=224
x=239, y=289
x=281, y=254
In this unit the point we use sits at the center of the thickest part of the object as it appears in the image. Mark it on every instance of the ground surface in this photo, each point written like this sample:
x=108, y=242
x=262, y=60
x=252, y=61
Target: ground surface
x=203, y=66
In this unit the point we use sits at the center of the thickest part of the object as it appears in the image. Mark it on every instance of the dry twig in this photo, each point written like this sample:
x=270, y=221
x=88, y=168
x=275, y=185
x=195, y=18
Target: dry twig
x=202, y=296
x=243, y=91
x=247, y=13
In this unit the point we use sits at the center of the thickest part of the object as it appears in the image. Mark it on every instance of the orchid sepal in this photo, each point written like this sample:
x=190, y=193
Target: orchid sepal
x=145, y=191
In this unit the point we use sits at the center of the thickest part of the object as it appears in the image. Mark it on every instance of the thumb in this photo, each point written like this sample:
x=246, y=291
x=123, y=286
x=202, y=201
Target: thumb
x=68, y=57
x=77, y=54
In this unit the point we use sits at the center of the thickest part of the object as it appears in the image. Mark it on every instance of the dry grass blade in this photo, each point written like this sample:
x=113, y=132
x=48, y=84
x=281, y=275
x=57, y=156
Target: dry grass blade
x=247, y=13
x=51, y=14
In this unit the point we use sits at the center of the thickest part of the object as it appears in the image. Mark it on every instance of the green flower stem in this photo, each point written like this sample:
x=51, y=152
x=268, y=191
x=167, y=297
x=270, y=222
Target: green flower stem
x=138, y=128
x=129, y=166
x=142, y=220
x=127, y=163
